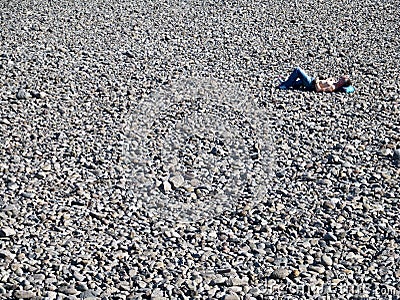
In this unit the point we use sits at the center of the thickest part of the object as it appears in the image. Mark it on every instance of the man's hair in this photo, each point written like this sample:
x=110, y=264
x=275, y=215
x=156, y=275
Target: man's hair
x=347, y=83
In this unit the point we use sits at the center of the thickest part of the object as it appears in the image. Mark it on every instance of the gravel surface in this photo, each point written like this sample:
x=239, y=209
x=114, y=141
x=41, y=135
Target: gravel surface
x=146, y=153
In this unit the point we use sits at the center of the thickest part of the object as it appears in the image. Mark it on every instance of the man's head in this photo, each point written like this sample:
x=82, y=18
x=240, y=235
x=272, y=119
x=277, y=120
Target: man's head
x=344, y=80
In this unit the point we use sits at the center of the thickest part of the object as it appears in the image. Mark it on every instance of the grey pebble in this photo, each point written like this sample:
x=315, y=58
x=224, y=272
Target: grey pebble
x=50, y=295
x=329, y=204
x=21, y=94
x=317, y=268
x=329, y=236
x=326, y=260
x=177, y=181
x=89, y=294
x=19, y=294
x=79, y=276
x=396, y=154
x=67, y=290
x=5, y=254
x=7, y=232
x=28, y=195
x=166, y=187
x=231, y=296
x=280, y=273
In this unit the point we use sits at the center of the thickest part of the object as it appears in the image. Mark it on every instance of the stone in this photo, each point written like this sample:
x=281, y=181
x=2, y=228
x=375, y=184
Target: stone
x=166, y=187
x=326, y=260
x=51, y=295
x=317, y=268
x=5, y=254
x=236, y=281
x=329, y=236
x=7, y=232
x=177, y=181
x=39, y=277
x=28, y=195
x=67, y=290
x=10, y=208
x=231, y=296
x=385, y=152
x=20, y=294
x=79, y=276
x=46, y=167
x=89, y=295
x=21, y=94
x=280, y=273
x=329, y=204
x=296, y=273
x=396, y=154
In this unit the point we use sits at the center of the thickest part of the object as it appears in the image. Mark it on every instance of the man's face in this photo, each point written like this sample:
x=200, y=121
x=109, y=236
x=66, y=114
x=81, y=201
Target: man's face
x=345, y=78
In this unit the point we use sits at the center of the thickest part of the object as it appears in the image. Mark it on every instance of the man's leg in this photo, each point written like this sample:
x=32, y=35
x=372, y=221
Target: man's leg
x=305, y=79
x=298, y=73
x=292, y=78
x=298, y=84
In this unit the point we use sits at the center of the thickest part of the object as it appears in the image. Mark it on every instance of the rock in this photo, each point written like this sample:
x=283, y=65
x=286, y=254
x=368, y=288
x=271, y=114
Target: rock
x=2, y=290
x=81, y=286
x=166, y=187
x=232, y=296
x=7, y=232
x=88, y=295
x=10, y=208
x=78, y=276
x=225, y=270
x=38, y=95
x=319, y=269
x=39, y=277
x=295, y=273
x=51, y=295
x=21, y=94
x=67, y=290
x=28, y=195
x=326, y=260
x=5, y=254
x=396, y=154
x=329, y=236
x=177, y=181
x=46, y=167
x=98, y=215
x=12, y=186
x=329, y=204
x=385, y=152
x=5, y=121
x=19, y=294
x=280, y=273
x=219, y=280
x=236, y=281
x=157, y=294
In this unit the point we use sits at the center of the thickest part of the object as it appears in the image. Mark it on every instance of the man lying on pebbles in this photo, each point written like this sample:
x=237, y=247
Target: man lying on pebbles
x=299, y=79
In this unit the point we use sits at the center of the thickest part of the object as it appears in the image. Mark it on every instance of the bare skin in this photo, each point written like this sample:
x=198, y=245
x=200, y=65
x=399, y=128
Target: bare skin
x=330, y=84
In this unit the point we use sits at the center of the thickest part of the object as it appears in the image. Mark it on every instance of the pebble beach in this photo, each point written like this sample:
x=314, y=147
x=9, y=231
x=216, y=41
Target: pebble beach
x=146, y=153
